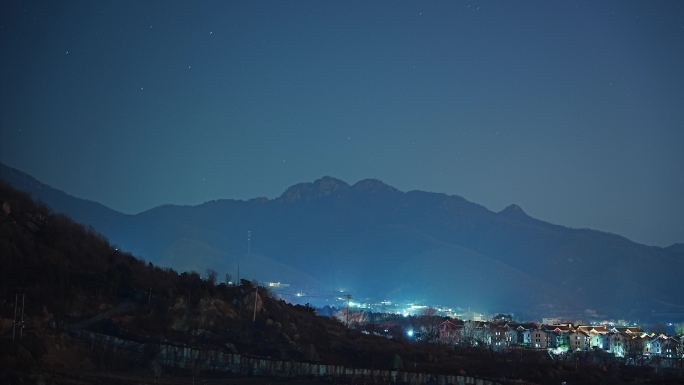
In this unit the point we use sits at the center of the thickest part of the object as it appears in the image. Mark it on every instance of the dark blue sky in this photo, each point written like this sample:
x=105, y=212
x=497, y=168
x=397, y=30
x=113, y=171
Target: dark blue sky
x=574, y=110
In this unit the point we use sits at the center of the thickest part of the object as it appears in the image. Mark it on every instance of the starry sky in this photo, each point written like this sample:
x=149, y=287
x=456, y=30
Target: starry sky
x=572, y=109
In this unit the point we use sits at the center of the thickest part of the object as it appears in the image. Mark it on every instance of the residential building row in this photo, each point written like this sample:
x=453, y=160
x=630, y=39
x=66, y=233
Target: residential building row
x=628, y=341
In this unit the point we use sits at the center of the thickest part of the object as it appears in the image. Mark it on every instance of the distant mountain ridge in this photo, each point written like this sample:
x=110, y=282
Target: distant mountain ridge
x=103, y=218
x=380, y=242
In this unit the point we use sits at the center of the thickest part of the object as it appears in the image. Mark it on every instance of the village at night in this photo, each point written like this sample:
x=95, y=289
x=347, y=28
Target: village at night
x=262, y=192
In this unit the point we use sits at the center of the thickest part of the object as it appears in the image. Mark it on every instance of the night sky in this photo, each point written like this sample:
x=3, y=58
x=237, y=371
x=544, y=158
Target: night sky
x=573, y=110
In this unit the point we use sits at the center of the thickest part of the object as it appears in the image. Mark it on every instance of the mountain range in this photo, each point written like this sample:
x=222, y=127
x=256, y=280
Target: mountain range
x=377, y=242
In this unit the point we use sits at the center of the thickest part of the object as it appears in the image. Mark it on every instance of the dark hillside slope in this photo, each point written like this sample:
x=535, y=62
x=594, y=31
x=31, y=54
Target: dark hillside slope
x=74, y=280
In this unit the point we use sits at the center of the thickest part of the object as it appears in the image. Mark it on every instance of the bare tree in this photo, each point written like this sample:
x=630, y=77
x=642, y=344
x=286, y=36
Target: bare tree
x=211, y=276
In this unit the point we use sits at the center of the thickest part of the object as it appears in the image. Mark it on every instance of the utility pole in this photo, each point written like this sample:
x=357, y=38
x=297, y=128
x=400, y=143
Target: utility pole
x=21, y=326
x=256, y=294
x=18, y=322
x=249, y=243
x=249, y=251
x=14, y=320
x=348, y=297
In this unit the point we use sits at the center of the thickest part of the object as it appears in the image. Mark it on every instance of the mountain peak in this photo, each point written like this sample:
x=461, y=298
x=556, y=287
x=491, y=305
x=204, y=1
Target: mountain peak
x=372, y=185
x=321, y=187
x=514, y=211
x=677, y=248
x=330, y=184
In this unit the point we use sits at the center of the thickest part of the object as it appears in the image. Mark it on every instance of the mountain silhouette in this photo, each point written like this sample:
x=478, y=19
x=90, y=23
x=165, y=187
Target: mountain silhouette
x=381, y=243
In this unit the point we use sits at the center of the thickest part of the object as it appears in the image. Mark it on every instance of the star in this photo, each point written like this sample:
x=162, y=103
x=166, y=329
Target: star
x=67, y=52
